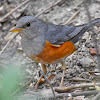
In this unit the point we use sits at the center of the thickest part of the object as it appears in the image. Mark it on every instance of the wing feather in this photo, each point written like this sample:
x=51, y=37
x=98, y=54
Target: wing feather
x=61, y=33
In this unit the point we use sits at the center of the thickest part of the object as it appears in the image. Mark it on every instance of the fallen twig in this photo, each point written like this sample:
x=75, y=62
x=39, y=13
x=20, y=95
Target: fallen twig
x=8, y=14
x=76, y=13
x=79, y=80
x=97, y=97
x=16, y=33
x=78, y=5
x=47, y=94
x=50, y=85
x=86, y=93
x=15, y=92
x=51, y=6
x=66, y=89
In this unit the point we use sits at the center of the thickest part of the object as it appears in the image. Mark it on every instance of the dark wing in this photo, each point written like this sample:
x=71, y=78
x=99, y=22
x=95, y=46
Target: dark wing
x=58, y=34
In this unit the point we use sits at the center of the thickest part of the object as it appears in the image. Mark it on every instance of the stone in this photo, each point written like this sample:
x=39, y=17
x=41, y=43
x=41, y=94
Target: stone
x=86, y=61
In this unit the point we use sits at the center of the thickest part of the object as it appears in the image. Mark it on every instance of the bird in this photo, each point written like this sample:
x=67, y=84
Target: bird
x=48, y=43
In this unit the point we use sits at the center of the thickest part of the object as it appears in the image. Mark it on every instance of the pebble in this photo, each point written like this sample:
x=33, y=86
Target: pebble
x=86, y=61
x=77, y=68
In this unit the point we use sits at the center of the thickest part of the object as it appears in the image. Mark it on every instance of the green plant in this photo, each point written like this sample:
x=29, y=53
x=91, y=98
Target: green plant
x=9, y=78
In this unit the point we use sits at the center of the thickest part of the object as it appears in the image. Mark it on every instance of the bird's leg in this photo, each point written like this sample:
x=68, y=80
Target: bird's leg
x=64, y=70
x=43, y=70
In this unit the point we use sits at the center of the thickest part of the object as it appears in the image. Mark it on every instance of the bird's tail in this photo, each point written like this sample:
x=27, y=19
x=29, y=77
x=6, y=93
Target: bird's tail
x=93, y=22
x=86, y=27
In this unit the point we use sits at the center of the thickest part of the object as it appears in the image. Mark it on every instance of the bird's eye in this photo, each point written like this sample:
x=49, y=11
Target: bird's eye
x=14, y=24
x=28, y=24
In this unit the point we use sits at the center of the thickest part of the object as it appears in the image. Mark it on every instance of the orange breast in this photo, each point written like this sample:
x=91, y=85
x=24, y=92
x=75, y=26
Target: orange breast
x=52, y=52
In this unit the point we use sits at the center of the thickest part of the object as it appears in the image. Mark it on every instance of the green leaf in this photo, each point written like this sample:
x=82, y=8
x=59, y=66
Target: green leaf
x=9, y=81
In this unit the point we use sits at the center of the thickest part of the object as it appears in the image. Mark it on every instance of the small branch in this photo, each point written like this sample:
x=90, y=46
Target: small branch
x=78, y=5
x=49, y=85
x=79, y=80
x=86, y=93
x=77, y=12
x=66, y=89
x=15, y=92
x=51, y=6
x=97, y=97
x=9, y=13
x=47, y=94
x=8, y=43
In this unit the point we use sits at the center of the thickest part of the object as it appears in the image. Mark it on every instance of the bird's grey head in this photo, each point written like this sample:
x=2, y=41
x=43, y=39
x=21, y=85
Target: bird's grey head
x=28, y=26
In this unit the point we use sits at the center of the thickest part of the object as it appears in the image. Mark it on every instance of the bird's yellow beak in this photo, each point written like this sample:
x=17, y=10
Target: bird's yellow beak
x=15, y=29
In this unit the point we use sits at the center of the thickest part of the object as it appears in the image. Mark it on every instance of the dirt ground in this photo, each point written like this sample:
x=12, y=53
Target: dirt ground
x=79, y=65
